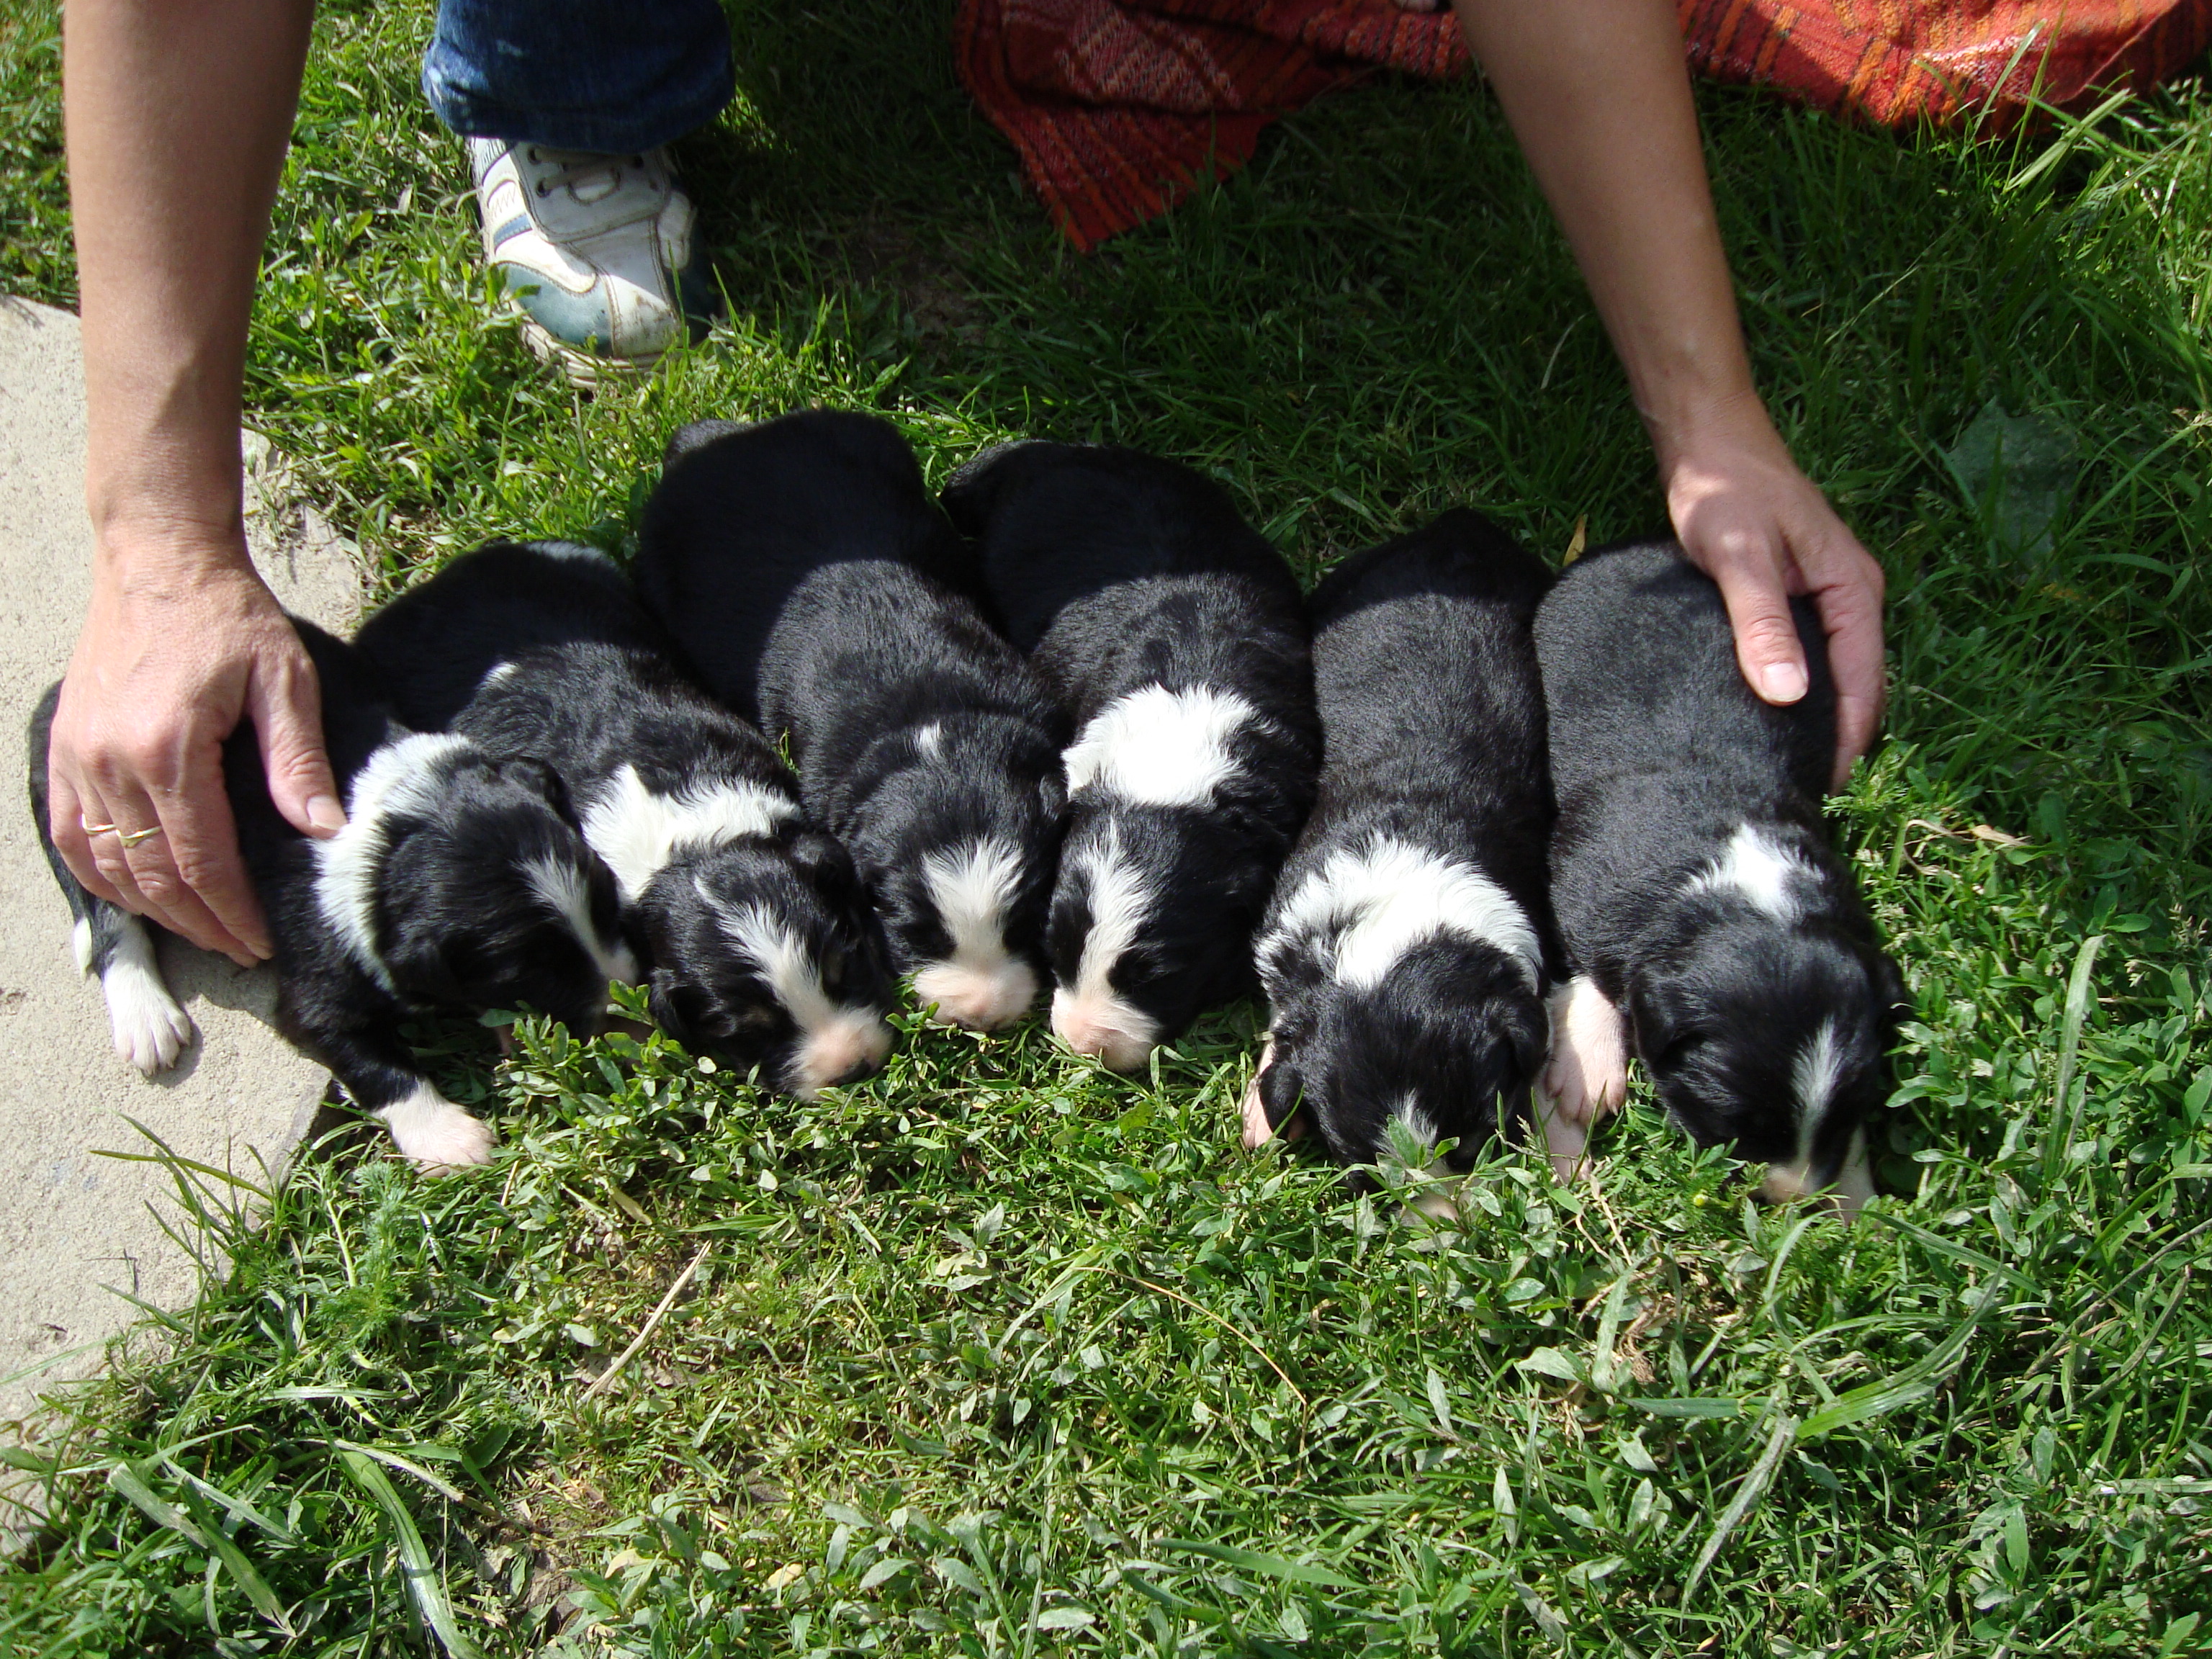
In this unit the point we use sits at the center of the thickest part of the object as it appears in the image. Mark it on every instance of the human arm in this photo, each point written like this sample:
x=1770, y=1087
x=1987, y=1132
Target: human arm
x=1599, y=96
x=176, y=116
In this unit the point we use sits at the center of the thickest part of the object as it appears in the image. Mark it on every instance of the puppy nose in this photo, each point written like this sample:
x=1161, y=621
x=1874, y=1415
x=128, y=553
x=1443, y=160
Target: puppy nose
x=1103, y=1030
x=845, y=1049
x=979, y=998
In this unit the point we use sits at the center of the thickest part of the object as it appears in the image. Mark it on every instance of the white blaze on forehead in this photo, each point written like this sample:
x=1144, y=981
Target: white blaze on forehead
x=1754, y=867
x=981, y=983
x=1813, y=1078
x=1155, y=747
x=834, y=1039
x=564, y=886
x=1417, y=1122
x=1367, y=906
x=1088, y=1015
x=402, y=778
x=638, y=832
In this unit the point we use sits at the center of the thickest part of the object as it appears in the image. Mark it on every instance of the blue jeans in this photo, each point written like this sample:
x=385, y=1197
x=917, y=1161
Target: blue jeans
x=579, y=74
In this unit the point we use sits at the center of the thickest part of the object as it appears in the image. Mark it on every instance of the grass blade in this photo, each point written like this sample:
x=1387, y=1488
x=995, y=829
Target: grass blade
x=1272, y=1566
x=236, y=1563
x=1754, y=1485
x=1915, y=1382
x=420, y=1574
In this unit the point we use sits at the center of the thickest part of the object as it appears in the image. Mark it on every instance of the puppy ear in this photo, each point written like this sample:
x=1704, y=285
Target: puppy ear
x=1282, y=1089
x=823, y=862
x=663, y=1000
x=1889, y=987
x=1051, y=793
x=535, y=775
x=422, y=963
x=1657, y=1017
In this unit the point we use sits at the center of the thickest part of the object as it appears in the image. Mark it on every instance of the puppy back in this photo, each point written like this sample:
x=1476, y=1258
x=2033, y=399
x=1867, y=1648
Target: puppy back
x=1640, y=677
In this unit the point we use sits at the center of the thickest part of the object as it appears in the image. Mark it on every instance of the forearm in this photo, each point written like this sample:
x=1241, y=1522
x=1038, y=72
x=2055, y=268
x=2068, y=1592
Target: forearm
x=1599, y=96
x=177, y=120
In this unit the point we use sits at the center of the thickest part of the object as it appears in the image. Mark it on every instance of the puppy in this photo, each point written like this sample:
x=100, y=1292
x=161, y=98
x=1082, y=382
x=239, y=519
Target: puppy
x=760, y=950
x=1708, y=919
x=1173, y=634
x=805, y=573
x=1410, y=942
x=459, y=882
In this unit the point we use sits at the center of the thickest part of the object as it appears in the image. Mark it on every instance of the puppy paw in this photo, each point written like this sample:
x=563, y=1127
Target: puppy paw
x=1258, y=1132
x=1587, y=1076
x=149, y=1029
x=437, y=1136
x=1566, y=1139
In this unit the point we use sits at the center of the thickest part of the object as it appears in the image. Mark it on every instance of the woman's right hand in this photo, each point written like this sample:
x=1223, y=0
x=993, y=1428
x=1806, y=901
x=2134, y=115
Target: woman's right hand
x=181, y=640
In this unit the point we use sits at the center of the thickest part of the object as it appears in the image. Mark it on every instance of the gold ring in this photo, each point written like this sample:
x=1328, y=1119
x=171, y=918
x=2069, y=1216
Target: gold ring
x=96, y=828
x=137, y=835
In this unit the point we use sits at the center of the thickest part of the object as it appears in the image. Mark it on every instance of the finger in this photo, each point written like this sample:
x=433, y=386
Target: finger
x=162, y=893
x=285, y=704
x=1766, y=647
x=199, y=848
x=66, y=816
x=1850, y=614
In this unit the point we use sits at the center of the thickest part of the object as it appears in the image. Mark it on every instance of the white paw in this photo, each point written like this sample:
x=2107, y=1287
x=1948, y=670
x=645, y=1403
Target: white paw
x=1258, y=1132
x=150, y=1030
x=1565, y=1139
x=1587, y=1076
x=437, y=1136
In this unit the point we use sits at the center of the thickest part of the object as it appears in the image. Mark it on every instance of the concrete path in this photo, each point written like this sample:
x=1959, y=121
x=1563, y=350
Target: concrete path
x=75, y=1227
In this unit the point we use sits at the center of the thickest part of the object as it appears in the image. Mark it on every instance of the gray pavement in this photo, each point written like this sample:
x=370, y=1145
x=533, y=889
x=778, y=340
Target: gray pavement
x=77, y=1228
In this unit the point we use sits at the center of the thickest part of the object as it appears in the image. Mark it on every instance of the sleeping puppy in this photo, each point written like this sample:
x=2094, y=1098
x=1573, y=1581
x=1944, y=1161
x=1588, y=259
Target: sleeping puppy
x=1707, y=918
x=1173, y=634
x=805, y=573
x=761, y=950
x=1410, y=942
x=459, y=882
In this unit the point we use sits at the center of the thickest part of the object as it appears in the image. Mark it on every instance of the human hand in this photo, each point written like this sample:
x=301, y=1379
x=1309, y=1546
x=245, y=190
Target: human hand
x=1757, y=526
x=181, y=640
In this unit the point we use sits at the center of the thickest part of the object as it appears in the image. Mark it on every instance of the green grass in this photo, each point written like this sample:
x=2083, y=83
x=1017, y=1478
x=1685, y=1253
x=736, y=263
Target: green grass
x=998, y=1355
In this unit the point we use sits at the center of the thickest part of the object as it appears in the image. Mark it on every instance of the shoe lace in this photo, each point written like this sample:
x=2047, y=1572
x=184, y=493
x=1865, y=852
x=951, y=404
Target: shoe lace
x=590, y=175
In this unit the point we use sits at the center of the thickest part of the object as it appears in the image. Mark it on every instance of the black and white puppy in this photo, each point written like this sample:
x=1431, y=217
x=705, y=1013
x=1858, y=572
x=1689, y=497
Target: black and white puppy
x=458, y=881
x=1706, y=916
x=1174, y=636
x=803, y=569
x=750, y=920
x=1409, y=946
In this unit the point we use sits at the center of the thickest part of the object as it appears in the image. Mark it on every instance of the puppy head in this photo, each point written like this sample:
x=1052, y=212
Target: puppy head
x=765, y=956
x=1773, y=1037
x=485, y=895
x=1151, y=924
x=1446, y=1043
x=959, y=864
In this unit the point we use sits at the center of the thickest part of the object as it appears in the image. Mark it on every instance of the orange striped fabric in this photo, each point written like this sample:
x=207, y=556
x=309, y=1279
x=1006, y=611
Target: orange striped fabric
x=1117, y=107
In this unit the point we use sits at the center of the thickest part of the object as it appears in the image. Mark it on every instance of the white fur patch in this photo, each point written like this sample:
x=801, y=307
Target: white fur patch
x=1366, y=908
x=930, y=740
x=401, y=777
x=435, y=1135
x=81, y=946
x=1813, y=1076
x=638, y=832
x=835, y=1039
x=566, y=889
x=1088, y=1016
x=150, y=1030
x=1155, y=747
x=1753, y=867
x=982, y=984
x=1587, y=1075
x=496, y=673
x=1417, y=1122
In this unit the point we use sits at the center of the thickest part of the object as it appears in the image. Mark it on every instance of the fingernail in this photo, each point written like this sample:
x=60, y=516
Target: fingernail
x=1781, y=682
x=325, y=814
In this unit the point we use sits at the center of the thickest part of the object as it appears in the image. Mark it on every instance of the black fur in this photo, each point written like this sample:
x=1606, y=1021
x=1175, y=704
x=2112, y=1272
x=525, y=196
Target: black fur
x=452, y=920
x=1660, y=754
x=807, y=576
x=586, y=679
x=1432, y=727
x=1120, y=571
